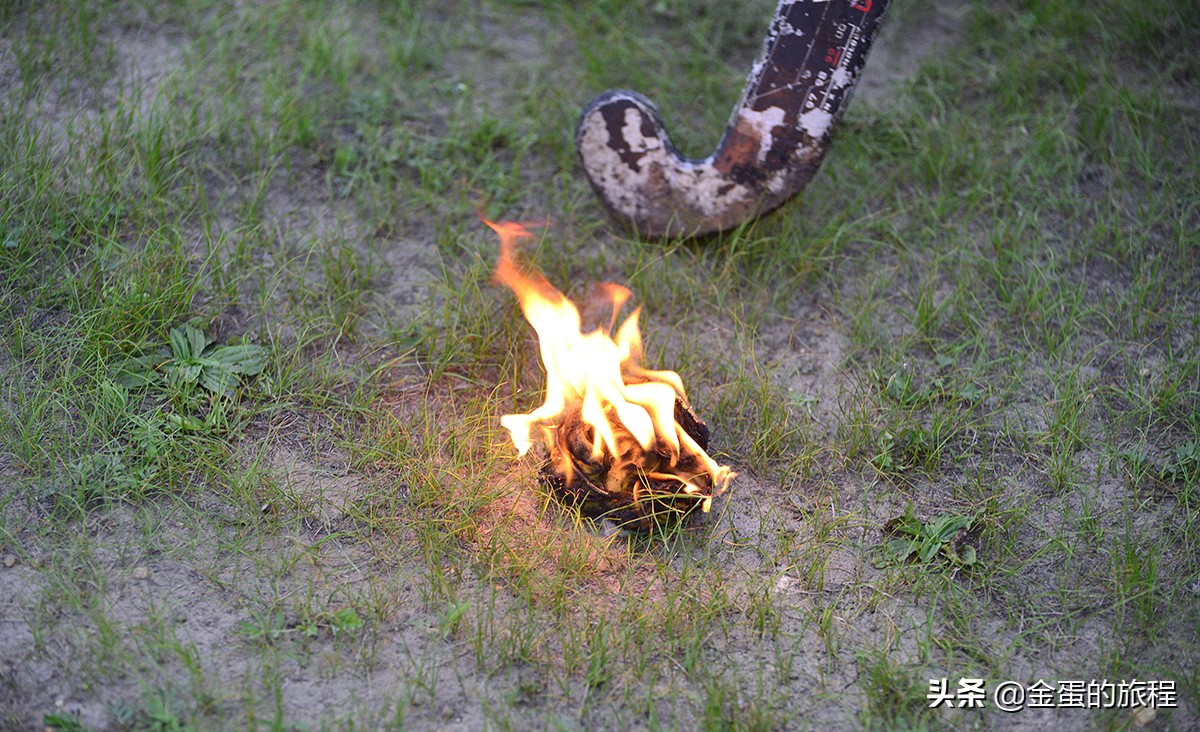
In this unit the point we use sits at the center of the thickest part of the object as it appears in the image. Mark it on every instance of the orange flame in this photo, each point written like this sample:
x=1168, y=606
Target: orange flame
x=598, y=375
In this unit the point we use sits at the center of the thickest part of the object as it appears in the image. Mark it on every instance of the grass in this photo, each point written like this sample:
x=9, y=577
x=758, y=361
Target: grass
x=977, y=328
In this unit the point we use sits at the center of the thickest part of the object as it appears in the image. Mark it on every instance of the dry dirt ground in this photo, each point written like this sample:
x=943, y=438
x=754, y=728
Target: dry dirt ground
x=191, y=610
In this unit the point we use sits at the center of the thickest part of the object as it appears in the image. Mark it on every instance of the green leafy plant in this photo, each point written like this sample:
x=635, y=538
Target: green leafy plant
x=160, y=717
x=944, y=535
x=63, y=723
x=882, y=460
x=345, y=620
x=452, y=617
x=191, y=360
x=1185, y=465
x=1182, y=466
x=268, y=629
x=340, y=622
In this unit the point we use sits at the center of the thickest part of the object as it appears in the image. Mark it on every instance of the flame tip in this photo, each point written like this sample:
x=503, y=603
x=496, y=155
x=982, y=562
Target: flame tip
x=506, y=228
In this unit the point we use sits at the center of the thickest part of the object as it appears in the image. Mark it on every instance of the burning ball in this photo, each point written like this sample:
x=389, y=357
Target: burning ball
x=622, y=441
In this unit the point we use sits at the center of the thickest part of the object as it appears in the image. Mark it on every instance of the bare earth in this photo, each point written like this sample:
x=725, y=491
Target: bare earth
x=219, y=581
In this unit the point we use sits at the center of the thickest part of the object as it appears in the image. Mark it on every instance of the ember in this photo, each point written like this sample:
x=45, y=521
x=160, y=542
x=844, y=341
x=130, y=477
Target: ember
x=622, y=441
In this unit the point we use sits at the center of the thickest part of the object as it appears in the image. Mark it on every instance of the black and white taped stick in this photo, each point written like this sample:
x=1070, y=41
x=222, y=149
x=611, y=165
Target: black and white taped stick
x=772, y=146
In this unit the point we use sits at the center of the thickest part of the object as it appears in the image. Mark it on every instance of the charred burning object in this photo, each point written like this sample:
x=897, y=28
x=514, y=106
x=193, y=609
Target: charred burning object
x=775, y=140
x=622, y=442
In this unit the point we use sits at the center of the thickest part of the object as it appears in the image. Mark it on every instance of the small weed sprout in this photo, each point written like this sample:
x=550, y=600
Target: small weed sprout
x=946, y=535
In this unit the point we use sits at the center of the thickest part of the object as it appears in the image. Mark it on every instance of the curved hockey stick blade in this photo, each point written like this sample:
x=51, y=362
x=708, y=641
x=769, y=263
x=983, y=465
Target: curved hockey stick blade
x=774, y=142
